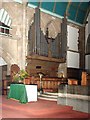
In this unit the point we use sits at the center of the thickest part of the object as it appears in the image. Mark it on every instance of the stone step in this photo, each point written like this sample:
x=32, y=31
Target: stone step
x=48, y=96
x=51, y=94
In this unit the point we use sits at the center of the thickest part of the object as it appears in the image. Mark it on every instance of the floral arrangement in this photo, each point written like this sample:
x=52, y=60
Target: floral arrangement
x=20, y=76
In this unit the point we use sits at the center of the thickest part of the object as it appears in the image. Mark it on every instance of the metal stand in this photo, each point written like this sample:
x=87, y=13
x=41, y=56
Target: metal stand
x=41, y=90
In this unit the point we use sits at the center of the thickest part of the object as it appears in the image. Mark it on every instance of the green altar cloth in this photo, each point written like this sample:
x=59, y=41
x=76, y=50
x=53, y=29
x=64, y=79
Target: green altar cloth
x=18, y=92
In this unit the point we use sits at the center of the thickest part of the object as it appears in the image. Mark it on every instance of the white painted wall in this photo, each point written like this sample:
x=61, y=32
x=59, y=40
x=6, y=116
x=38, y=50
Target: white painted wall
x=72, y=43
x=72, y=38
x=87, y=62
x=72, y=59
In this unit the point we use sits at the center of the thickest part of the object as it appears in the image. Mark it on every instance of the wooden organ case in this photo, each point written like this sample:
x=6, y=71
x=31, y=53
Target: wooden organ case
x=44, y=53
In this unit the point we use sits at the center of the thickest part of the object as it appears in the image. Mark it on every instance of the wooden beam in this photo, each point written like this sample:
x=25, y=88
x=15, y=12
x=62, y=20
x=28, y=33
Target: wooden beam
x=43, y=58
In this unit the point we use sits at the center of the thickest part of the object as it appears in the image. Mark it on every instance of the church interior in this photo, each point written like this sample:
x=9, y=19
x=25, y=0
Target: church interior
x=44, y=59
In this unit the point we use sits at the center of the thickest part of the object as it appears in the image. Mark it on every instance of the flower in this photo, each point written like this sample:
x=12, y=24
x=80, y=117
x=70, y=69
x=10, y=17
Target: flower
x=21, y=75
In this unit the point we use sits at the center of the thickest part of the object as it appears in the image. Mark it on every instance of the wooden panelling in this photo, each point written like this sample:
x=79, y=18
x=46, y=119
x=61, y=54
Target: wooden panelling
x=88, y=79
x=74, y=73
x=72, y=82
x=3, y=71
x=48, y=68
x=85, y=78
x=14, y=69
x=4, y=87
x=27, y=81
x=5, y=83
x=47, y=83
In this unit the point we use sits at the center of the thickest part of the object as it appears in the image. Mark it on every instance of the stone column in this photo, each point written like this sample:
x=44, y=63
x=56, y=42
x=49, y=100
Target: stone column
x=1, y=4
x=24, y=38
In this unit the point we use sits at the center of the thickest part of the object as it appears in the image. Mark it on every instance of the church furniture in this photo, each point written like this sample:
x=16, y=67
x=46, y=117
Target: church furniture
x=14, y=69
x=3, y=71
x=85, y=79
x=45, y=52
x=48, y=83
x=72, y=82
x=31, y=92
x=5, y=84
x=23, y=93
x=4, y=80
x=88, y=79
x=27, y=80
x=74, y=76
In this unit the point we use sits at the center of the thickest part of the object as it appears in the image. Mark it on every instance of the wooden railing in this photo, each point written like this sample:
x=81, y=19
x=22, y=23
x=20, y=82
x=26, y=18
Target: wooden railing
x=47, y=83
x=50, y=84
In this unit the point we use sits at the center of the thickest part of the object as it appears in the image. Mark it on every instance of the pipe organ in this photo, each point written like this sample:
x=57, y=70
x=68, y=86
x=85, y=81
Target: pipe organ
x=44, y=52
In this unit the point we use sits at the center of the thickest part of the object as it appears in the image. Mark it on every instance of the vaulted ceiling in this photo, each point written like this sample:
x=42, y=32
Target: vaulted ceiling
x=76, y=12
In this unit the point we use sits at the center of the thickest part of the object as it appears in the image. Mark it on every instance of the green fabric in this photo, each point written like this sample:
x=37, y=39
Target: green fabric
x=18, y=92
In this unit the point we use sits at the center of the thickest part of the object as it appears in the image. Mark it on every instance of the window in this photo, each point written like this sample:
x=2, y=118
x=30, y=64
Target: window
x=5, y=22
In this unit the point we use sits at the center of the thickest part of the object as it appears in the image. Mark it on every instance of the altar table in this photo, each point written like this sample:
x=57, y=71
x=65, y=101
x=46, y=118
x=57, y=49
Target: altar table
x=23, y=93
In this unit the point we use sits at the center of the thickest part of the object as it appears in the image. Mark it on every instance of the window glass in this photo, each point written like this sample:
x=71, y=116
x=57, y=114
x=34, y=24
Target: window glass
x=5, y=22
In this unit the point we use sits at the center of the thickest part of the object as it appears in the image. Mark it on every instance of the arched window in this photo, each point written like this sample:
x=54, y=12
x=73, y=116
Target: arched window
x=5, y=22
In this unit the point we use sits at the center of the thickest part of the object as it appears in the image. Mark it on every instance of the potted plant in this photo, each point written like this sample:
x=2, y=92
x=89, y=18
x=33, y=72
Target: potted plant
x=20, y=76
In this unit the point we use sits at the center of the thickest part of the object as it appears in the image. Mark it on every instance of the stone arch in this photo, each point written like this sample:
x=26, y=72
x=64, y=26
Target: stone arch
x=49, y=22
x=8, y=59
x=52, y=28
x=52, y=22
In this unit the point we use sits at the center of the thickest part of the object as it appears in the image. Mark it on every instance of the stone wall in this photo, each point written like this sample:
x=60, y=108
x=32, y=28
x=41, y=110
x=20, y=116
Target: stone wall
x=13, y=48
